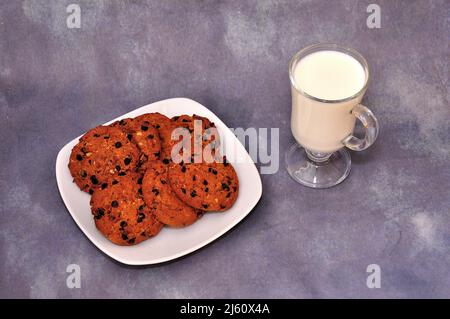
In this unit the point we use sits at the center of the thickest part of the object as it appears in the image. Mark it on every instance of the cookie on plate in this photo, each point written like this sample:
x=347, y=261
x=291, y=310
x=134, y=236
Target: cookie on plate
x=203, y=135
x=120, y=212
x=101, y=153
x=207, y=186
x=159, y=197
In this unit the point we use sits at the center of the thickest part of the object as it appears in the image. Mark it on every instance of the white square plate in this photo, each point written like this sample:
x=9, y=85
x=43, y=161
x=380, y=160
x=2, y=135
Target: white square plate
x=170, y=243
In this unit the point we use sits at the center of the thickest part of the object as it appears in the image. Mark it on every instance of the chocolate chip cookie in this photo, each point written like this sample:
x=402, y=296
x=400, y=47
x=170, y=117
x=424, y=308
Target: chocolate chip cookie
x=207, y=186
x=120, y=212
x=159, y=197
x=101, y=153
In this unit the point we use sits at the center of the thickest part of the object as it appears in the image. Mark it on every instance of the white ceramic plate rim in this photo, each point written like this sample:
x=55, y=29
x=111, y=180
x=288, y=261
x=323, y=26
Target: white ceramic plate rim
x=257, y=189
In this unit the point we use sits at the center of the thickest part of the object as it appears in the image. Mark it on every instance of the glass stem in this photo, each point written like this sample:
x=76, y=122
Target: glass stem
x=318, y=157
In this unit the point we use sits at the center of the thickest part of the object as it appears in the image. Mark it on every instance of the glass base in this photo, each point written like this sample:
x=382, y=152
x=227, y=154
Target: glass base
x=317, y=170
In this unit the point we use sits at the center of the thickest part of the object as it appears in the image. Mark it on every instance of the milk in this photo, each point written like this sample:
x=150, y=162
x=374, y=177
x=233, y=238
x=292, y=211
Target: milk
x=327, y=75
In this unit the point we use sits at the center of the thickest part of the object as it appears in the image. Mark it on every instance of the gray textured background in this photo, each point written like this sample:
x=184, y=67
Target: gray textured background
x=231, y=56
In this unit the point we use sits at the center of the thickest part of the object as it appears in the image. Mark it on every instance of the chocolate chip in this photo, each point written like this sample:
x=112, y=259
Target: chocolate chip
x=118, y=168
x=193, y=178
x=91, y=191
x=131, y=241
x=114, y=182
x=150, y=136
x=144, y=128
x=118, y=145
x=228, y=195
x=129, y=137
x=96, y=135
x=165, y=161
x=156, y=154
x=139, y=181
x=106, y=136
x=122, y=122
x=183, y=190
x=175, y=118
x=205, y=182
x=193, y=193
x=157, y=126
x=83, y=174
x=185, y=120
x=141, y=207
x=79, y=157
x=163, y=181
x=124, y=237
x=99, y=213
x=123, y=224
x=140, y=191
x=205, y=205
x=183, y=169
x=214, y=172
x=141, y=217
x=104, y=185
x=114, y=204
x=127, y=161
x=209, y=169
x=155, y=191
x=225, y=186
x=222, y=206
x=94, y=180
x=122, y=174
x=206, y=189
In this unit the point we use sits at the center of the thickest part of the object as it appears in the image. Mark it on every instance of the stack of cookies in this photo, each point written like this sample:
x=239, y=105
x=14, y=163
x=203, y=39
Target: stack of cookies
x=136, y=183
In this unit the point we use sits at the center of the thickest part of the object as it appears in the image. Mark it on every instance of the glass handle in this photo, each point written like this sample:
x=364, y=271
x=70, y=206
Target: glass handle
x=370, y=124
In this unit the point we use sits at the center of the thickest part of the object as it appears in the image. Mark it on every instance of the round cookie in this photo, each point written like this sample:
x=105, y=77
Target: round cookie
x=120, y=213
x=144, y=135
x=159, y=197
x=207, y=186
x=101, y=153
x=203, y=135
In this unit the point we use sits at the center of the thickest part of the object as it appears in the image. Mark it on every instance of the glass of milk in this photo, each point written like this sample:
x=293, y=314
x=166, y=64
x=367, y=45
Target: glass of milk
x=328, y=82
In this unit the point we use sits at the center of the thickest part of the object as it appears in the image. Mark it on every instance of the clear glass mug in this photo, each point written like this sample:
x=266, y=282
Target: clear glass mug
x=323, y=128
